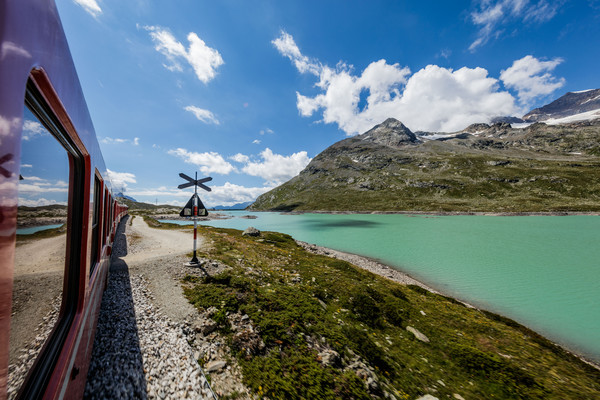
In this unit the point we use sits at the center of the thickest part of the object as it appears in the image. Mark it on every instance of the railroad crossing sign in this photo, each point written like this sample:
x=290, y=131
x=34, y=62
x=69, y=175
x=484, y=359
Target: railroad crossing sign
x=194, y=182
x=194, y=207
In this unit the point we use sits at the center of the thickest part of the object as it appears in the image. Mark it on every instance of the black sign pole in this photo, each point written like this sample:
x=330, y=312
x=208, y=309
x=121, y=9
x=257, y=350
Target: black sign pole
x=195, y=214
x=192, y=208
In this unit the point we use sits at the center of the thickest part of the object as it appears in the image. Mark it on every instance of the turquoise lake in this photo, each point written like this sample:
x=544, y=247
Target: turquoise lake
x=33, y=229
x=543, y=271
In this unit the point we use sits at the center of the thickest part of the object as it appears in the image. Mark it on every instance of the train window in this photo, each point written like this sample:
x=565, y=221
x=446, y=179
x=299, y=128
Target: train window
x=44, y=283
x=96, y=223
x=105, y=214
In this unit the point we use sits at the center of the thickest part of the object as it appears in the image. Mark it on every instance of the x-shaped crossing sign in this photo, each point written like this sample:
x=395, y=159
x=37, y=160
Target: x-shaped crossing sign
x=194, y=182
x=3, y=171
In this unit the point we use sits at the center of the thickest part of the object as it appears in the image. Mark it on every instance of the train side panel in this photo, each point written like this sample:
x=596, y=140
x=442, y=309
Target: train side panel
x=34, y=52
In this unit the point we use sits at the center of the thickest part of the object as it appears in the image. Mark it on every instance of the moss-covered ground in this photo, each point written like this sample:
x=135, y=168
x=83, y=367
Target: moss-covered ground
x=296, y=299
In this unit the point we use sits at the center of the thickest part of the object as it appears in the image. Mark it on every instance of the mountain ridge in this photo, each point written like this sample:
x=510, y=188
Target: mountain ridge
x=569, y=104
x=484, y=168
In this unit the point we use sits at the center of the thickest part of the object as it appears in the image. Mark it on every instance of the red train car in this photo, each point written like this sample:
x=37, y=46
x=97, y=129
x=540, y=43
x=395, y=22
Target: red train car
x=53, y=180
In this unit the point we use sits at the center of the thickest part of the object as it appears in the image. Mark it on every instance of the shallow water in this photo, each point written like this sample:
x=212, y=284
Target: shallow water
x=33, y=229
x=543, y=271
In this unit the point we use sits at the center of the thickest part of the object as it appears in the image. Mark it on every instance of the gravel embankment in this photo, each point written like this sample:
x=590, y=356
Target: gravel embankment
x=139, y=352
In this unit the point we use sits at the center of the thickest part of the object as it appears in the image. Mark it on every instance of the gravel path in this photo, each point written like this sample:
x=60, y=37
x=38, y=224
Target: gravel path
x=140, y=352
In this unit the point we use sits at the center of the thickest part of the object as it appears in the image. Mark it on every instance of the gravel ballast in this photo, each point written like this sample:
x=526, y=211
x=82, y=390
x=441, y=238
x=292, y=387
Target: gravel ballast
x=139, y=352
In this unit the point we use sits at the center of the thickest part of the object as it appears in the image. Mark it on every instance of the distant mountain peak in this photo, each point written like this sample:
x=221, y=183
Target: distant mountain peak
x=390, y=132
x=123, y=196
x=572, y=103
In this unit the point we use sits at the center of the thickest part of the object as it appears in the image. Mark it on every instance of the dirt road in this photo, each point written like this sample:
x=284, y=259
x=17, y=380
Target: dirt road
x=145, y=243
x=152, y=252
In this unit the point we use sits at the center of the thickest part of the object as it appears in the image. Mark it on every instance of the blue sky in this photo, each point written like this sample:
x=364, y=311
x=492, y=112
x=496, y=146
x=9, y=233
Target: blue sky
x=249, y=91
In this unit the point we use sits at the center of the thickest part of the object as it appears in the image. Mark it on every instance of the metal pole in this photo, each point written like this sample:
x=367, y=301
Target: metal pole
x=195, y=214
x=194, y=258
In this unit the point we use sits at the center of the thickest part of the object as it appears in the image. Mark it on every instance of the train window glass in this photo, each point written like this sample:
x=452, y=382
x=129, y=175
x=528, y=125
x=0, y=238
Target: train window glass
x=41, y=249
x=105, y=214
x=96, y=234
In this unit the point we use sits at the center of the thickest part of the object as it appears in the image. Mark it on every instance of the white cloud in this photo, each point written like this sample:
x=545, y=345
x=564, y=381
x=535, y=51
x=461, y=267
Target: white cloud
x=44, y=187
x=91, y=6
x=203, y=115
x=7, y=126
x=432, y=99
x=12, y=48
x=492, y=15
x=160, y=191
x=109, y=140
x=275, y=168
x=207, y=162
x=26, y=166
x=34, y=179
x=203, y=59
x=256, y=141
x=39, y=202
x=230, y=194
x=227, y=194
x=286, y=45
x=239, y=157
x=32, y=129
x=120, y=180
x=531, y=77
x=263, y=131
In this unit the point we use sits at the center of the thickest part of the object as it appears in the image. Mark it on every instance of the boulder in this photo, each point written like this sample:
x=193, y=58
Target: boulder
x=329, y=357
x=215, y=366
x=208, y=327
x=251, y=231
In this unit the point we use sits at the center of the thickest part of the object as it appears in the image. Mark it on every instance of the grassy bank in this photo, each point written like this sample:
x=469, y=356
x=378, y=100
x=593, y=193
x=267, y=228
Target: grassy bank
x=333, y=330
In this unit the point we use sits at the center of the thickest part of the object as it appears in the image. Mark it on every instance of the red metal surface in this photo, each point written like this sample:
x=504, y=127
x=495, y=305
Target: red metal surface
x=33, y=46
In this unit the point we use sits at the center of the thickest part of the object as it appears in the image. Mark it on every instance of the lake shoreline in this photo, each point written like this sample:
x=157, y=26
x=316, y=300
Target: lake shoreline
x=396, y=275
x=440, y=213
x=379, y=267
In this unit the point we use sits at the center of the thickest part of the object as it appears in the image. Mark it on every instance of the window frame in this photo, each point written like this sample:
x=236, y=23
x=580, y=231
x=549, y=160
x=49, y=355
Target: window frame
x=39, y=96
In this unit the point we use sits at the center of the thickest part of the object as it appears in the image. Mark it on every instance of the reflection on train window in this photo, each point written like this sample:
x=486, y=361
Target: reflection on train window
x=41, y=246
x=95, y=223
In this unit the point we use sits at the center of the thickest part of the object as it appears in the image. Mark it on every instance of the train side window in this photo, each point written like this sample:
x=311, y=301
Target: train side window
x=41, y=307
x=105, y=214
x=96, y=223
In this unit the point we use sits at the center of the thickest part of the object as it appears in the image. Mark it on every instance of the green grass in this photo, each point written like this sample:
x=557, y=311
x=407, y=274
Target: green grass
x=301, y=303
x=153, y=223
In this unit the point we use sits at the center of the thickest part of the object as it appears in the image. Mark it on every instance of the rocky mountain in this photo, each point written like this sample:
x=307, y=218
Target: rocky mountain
x=488, y=168
x=389, y=133
x=570, y=104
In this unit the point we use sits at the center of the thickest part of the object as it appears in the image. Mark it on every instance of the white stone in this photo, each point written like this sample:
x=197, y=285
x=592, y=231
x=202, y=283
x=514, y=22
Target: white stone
x=417, y=334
